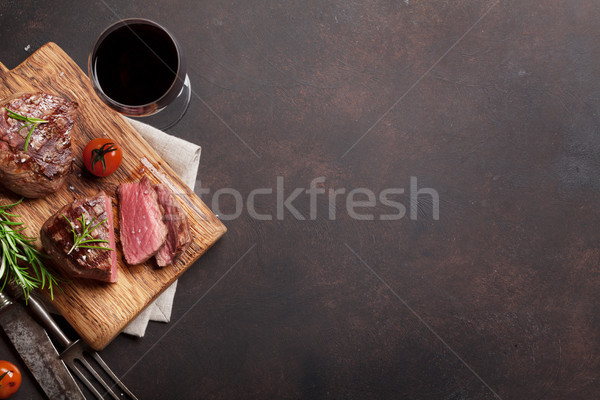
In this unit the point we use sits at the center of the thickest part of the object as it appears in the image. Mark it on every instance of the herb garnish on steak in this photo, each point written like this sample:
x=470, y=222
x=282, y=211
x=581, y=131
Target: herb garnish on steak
x=78, y=261
x=43, y=168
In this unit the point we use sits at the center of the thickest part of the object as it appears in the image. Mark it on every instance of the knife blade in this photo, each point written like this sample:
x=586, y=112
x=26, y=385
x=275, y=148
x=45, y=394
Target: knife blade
x=37, y=351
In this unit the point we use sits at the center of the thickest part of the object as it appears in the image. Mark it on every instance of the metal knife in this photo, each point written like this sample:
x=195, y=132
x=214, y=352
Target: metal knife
x=37, y=351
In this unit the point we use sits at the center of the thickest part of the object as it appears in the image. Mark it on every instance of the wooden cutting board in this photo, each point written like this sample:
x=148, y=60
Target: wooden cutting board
x=99, y=311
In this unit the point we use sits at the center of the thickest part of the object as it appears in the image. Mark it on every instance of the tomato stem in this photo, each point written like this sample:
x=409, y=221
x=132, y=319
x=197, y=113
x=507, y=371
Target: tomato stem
x=98, y=154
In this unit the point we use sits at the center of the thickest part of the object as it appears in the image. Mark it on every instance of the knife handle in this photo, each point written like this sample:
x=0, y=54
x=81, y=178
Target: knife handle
x=47, y=319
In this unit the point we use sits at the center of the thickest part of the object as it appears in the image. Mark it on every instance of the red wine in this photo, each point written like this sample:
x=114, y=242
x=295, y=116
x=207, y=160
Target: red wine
x=136, y=64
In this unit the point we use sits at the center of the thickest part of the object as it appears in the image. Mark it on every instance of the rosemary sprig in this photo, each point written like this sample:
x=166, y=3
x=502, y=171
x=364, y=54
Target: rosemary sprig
x=29, y=122
x=18, y=252
x=85, y=238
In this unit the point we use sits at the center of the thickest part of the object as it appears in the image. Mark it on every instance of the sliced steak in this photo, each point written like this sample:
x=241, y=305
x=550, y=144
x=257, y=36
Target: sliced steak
x=57, y=239
x=178, y=228
x=43, y=169
x=142, y=230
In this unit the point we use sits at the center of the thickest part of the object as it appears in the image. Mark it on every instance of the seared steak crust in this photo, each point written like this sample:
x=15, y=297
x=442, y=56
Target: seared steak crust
x=178, y=235
x=57, y=239
x=44, y=167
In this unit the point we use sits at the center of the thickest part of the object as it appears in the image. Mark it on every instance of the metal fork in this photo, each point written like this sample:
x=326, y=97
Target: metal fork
x=74, y=353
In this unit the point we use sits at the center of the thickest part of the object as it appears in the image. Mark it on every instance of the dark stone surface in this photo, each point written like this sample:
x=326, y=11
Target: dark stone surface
x=495, y=105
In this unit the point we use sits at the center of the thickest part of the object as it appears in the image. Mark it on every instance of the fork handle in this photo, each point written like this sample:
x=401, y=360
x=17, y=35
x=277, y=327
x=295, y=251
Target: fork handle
x=5, y=302
x=47, y=319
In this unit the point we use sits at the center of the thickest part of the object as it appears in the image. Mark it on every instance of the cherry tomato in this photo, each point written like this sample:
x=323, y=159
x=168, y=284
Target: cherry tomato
x=11, y=381
x=102, y=156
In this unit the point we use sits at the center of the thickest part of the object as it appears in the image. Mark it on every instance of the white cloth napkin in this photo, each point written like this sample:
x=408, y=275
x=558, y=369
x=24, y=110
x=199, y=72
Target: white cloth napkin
x=184, y=158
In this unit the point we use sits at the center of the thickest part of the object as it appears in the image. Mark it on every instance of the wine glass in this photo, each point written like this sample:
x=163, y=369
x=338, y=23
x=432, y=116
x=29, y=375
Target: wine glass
x=137, y=67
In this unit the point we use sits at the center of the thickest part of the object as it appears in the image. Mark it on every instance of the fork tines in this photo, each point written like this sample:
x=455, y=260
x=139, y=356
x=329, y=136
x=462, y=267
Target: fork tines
x=75, y=358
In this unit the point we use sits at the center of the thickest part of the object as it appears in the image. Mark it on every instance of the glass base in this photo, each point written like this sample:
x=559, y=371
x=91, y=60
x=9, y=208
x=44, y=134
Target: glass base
x=171, y=114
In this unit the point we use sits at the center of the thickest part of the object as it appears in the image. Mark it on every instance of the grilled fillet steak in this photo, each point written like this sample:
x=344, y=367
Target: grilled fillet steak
x=44, y=167
x=178, y=228
x=142, y=230
x=57, y=239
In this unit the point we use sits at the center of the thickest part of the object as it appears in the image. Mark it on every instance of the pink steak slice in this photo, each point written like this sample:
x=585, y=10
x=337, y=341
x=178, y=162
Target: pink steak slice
x=57, y=239
x=143, y=231
x=178, y=236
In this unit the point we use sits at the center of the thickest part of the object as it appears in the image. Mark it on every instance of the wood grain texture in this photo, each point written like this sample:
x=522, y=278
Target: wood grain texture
x=99, y=311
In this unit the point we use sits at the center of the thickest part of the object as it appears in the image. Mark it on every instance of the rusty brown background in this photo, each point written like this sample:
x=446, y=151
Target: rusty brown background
x=494, y=104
